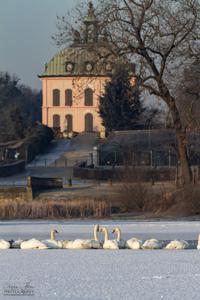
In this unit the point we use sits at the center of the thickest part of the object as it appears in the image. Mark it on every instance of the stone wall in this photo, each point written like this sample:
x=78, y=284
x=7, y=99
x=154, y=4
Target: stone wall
x=35, y=185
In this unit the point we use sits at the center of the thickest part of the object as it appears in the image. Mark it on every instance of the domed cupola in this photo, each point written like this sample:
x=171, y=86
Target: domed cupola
x=88, y=55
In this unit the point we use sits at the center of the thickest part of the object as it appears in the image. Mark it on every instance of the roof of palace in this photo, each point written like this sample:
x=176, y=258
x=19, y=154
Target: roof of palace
x=81, y=61
x=89, y=55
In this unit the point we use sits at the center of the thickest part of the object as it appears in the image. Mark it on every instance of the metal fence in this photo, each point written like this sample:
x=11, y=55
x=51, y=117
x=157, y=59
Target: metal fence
x=151, y=158
x=147, y=148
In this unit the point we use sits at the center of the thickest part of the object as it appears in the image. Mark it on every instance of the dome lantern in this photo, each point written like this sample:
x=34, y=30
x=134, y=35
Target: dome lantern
x=91, y=25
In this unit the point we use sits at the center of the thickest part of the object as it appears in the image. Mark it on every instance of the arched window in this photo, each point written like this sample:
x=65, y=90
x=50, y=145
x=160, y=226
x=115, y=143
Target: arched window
x=88, y=122
x=88, y=97
x=69, y=123
x=56, y=97
x=56, y=121
x=68, y=97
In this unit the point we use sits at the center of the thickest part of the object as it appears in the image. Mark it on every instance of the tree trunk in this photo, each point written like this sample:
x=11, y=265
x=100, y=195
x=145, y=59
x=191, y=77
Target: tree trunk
x=183, y=157
x=180, y=132
x=180, y=135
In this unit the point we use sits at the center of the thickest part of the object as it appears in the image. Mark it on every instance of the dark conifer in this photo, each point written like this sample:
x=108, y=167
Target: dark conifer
x=120, y=107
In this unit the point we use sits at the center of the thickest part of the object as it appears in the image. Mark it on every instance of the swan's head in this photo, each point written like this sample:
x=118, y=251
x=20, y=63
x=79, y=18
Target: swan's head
x=103, y=229
x=116, y=230
x=54, y=231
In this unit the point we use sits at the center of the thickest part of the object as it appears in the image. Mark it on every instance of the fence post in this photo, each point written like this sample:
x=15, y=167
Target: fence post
x=70, y=182
x=115, y=159
x=176, y=176
x=133, y=159
x=151, y=153
x=170, y=161
x=29, y=189
x=95, y=156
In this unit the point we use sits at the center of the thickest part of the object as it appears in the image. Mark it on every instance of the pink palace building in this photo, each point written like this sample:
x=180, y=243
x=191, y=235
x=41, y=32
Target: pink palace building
x=74, y=79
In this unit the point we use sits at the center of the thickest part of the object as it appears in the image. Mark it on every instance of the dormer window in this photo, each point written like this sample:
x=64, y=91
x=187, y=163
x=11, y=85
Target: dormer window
x=88, y=67
x=69, y=67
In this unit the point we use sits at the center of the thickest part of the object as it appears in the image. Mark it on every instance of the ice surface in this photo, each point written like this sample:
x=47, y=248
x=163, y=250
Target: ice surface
x=84, y=229
x=102, y=274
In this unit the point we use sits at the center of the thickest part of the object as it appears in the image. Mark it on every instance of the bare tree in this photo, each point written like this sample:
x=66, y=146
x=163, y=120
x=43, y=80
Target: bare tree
x=162, y=37
x=188, y=95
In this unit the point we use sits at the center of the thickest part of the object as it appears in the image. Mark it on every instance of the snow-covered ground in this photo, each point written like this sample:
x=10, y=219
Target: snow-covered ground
x=56, y=149
x=101, y=274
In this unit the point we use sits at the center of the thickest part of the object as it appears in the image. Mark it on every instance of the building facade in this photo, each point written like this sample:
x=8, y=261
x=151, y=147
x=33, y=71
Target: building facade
x=74, y=79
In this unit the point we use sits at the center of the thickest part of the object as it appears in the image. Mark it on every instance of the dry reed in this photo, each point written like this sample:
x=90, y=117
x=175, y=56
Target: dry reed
x=52, y=209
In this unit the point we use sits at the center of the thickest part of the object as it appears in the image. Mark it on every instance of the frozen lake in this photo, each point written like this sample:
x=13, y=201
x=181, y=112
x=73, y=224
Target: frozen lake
x=84, y=229
x=101, y=274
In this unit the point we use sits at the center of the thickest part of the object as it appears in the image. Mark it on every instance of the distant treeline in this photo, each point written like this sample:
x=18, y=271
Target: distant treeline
x=20, y=108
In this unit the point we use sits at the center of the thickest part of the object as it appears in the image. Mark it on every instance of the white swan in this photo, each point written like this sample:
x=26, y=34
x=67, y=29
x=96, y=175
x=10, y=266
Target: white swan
x=177, y=245
x=109, y=244
x=52, y=243
x=84, y=244
x=134, y=244
x=121, y=243
x=33, y=244
x=4, y=245
x=198, y=245
x=151, y=244
x=81, y=244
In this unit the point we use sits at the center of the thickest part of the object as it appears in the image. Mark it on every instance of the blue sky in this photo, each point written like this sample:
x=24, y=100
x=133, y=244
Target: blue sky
x=26, y=27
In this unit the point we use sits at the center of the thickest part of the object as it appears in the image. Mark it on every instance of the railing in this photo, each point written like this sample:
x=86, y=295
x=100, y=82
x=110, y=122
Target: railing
x=152, y=158
x=48, y=163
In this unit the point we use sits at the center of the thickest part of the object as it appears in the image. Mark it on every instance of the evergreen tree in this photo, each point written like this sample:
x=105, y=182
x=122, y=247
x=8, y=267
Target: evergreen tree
x=120, y=107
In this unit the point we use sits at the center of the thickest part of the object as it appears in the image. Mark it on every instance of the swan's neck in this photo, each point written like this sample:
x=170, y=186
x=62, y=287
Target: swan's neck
x=95, y=233
x=53, y=235
x=118, y=235
x=199, y=240
x=106, y=237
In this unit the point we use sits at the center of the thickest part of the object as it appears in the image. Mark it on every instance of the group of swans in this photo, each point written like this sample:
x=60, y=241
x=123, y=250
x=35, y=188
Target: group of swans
x=136, y=244
x=94, y=243
x=52, y=243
